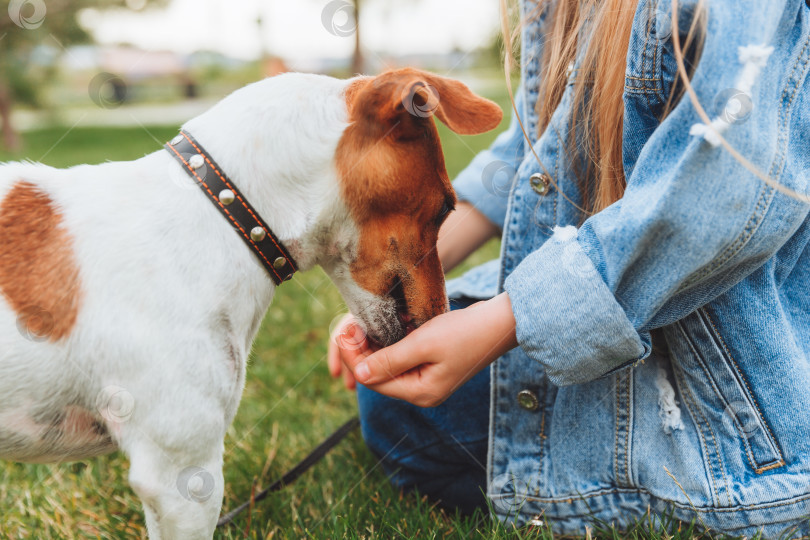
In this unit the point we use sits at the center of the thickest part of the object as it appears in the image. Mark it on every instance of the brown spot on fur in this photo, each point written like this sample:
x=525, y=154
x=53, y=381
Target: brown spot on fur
x=394, y=182
x=39, y=276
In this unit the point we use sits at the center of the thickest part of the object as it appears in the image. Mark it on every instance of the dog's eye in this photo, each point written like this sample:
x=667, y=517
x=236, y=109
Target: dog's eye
x=446, y=209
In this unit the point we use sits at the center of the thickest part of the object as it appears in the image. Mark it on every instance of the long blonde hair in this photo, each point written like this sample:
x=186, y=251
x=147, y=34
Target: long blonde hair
x=598, y=108
x=597, y=113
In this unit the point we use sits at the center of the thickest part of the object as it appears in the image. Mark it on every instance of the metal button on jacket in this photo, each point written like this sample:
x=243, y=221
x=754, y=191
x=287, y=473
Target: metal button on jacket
x=540, y=183
x=528, y=400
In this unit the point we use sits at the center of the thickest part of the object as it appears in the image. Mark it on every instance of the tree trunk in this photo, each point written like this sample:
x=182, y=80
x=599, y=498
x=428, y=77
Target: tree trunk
x=10, y=138
x=357, y=58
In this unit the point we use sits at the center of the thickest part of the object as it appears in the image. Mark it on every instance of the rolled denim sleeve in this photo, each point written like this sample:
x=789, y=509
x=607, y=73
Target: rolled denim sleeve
x=486, y=181
x=567, y=316
x=693, y=222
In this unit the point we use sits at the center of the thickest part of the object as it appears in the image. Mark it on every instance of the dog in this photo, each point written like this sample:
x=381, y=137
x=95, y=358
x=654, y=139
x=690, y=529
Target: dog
x=129, y=306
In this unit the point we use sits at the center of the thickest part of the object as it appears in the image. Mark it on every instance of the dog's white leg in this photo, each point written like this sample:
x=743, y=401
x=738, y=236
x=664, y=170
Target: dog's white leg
x=182, y=497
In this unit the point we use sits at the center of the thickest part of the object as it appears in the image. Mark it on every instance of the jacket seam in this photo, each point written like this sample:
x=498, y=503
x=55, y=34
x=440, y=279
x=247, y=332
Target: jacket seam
x=616, y=430
x=751, y=225
x=688, y=398
x=755, y=220
x=646, y=43
x=691, y=345
x=749, y=453
x=693, y=410
x=772, y=466
x=493, y=396
x=644, y=58
x=751, y=396
x=493, y=459
x=645, y=79
x=556, y=194
x=748, y=450
x=545, y=227
x=641, y=90
x=737, y=508
x=657, y=72
x=796, y=86
x=578, y=497
x=621, y=380
x=659, y=78
x=700, y=509
x=628, y=376
x=542, y=435
x=658, y=83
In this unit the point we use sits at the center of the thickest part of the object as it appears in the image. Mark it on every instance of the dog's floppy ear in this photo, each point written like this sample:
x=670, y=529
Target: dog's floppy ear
x=401, y=101
x=424, y=94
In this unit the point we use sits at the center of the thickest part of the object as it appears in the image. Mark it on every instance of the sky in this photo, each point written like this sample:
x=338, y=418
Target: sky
x=298, y=29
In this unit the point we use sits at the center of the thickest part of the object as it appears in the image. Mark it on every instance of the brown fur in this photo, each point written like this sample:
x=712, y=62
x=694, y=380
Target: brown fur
x=39, y=276
x=394, y=180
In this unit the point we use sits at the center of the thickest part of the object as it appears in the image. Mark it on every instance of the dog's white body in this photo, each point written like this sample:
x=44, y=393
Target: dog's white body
x=171, y=299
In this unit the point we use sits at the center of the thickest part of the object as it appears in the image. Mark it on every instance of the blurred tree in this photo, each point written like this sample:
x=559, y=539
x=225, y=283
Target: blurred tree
x=357, y=57
x=330, y=16
x=358, y=62
x=28, y=28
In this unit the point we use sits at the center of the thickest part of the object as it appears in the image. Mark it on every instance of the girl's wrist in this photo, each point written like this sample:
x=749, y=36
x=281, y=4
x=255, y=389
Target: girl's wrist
x=500, y=324
x=465, y=230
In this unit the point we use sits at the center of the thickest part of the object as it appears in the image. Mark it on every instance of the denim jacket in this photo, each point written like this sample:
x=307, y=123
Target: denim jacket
x=588, y=419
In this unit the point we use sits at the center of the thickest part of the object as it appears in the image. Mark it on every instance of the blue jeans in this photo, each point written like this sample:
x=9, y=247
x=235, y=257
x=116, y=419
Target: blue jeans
x=441, y=451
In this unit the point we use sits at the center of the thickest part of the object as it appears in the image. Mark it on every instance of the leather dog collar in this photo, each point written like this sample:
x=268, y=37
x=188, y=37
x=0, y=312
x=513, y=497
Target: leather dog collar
x=245, y=220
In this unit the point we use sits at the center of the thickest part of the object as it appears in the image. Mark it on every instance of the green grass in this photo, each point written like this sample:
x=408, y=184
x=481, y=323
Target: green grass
x=290, y=403
x=63, y=147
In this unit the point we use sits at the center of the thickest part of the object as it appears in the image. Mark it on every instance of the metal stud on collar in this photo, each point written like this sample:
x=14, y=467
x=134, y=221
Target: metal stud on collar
x=257, y=234
x=233, y=206
x=226, y=197
x=196, y=161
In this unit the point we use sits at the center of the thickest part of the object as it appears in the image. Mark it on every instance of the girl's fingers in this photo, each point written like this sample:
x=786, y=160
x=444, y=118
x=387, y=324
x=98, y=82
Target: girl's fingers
x=348, y=379
x=351, y=338
x=347, y=340
x=352, y=343
x=387, y=363
x=333, y=360
x=419, y=387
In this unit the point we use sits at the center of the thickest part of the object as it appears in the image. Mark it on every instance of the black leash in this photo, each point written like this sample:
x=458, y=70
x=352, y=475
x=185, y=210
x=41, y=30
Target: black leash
x=292, y=475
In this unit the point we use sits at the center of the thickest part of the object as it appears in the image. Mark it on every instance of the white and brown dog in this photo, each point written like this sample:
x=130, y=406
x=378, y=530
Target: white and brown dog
x=129, y=306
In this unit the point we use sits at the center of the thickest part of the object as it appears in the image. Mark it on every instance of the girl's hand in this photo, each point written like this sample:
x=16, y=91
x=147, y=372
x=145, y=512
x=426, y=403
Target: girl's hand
x=347, y=343
x=428, y=365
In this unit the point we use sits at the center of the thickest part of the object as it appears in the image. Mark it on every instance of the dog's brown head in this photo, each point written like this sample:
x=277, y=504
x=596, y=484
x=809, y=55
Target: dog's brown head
x=394, y=183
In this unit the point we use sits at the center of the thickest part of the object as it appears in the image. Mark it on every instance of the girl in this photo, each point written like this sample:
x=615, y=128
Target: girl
x=647, y=327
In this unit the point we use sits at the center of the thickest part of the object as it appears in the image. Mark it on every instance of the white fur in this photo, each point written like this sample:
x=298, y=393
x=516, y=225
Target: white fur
x=171, y=298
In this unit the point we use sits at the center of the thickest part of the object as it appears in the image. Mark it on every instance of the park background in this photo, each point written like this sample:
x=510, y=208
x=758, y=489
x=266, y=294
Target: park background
x=89, y=81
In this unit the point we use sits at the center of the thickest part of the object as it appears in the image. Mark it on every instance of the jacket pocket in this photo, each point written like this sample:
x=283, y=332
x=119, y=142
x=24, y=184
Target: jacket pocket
x=720, y=391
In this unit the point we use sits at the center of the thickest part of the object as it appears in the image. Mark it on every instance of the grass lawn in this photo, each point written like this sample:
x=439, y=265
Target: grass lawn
x=290, y=403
